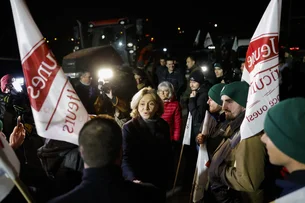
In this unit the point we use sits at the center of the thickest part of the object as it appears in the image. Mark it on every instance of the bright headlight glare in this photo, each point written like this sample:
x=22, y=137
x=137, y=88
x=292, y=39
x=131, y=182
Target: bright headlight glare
x=20, y=80
x=17, y=84
x=204, y=68
x=130, y=44
x=105, y=74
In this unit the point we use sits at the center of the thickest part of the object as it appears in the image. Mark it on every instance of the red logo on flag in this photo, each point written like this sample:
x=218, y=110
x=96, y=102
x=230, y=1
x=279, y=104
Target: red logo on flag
x=261, y=49
x=39, y=68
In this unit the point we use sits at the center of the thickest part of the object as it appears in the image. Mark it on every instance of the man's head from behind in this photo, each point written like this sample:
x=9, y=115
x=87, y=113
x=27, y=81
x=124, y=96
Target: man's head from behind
x=284, y=134
x=100, y=142
x=234, y=98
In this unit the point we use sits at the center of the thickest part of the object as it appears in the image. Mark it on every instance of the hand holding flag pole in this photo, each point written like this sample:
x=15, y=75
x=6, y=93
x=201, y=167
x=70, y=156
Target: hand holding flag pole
x=200, y=176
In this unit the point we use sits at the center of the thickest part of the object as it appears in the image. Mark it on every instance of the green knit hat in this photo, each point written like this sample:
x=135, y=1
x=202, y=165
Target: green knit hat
x=214, y=93
x=284, y=125
x=238, y=91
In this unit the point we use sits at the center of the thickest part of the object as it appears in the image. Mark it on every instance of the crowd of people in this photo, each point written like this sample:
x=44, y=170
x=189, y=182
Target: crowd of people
x=130, y=153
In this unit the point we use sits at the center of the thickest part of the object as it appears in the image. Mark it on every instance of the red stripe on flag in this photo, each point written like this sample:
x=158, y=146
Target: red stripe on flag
x=40, y=69
x=57, y=104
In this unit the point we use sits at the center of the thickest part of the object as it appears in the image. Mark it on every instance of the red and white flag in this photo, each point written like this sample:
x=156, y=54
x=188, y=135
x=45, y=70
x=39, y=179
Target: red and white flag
x=9, y=167
x=261, y=70
x=58, y=112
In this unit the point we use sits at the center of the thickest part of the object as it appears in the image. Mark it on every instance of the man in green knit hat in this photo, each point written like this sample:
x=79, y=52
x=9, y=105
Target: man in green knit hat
x=219, y=122
x=285, y=141
x=236, y=171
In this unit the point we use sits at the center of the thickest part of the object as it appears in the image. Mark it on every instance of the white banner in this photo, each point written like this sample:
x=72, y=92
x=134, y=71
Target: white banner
x=235, y=44
x=202, y=160
x=188, y=130
x=196, y=41
x=208, y=41
x=58, y=112
x=297, y=196
x=261, y=70
x=8, y=159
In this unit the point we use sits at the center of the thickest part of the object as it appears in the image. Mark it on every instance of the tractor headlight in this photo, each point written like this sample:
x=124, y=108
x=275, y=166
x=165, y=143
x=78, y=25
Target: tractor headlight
x=105, y=74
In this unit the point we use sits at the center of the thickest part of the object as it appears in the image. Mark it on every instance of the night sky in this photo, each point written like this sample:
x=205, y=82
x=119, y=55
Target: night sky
x=57, y=20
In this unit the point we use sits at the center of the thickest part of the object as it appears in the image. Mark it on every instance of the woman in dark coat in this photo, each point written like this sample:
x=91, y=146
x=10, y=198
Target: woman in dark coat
x=147, y=154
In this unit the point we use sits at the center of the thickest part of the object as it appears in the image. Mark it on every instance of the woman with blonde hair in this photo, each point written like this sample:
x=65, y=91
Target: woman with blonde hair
x=147, y=155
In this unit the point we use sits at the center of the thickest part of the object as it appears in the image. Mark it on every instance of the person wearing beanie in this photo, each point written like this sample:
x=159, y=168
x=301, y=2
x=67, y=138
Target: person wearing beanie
x=197, y=106
x=197, y=76
x=218, y=122
x=6, y=83
x=10, y=98
x=223, y=73
x=284, y=139
x=237, y=168
x=218, y=72
x=214, y=93
x=237, y=91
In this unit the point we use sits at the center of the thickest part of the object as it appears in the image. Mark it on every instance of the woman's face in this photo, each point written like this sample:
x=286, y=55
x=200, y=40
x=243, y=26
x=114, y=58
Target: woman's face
x=147, y=107
x=163, y=93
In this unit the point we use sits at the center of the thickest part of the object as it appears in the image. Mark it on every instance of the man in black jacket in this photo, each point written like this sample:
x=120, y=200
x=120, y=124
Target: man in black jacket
x=197, y=106
x=100, y=145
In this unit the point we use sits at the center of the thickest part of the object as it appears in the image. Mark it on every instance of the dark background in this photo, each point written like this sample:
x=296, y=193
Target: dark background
x=232, y=17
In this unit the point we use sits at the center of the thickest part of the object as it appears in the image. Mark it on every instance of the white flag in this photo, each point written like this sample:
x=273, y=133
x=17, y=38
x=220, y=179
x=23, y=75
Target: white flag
x=196, y=41
x=261, y=70
x=9, y=167
x=297, y=196
x=235, y=44
x=203, y=158
x=188, y=130
x=58, y=112
x=208, y=41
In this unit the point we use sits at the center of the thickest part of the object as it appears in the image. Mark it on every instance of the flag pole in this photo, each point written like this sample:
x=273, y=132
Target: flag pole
x=193, y=185
x=12, y=174
x=22, y=188
x=177, y=171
